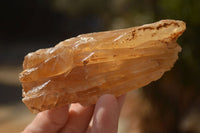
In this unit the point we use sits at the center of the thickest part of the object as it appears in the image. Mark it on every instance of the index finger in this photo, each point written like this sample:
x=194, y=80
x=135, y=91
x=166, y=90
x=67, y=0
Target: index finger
x=49, y=121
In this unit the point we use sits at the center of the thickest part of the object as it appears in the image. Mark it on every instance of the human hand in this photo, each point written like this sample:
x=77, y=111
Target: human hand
x=100, y=118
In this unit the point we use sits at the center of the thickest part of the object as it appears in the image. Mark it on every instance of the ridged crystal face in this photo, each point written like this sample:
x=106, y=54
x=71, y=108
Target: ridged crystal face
x=83, y=68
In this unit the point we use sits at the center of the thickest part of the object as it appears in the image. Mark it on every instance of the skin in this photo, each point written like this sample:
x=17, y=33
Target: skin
x=100, y=118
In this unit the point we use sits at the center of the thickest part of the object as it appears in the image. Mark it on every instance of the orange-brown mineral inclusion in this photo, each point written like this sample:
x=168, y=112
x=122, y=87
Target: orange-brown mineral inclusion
x=83, y=68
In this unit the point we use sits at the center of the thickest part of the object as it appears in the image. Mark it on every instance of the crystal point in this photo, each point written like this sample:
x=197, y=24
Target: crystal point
x=83, y=68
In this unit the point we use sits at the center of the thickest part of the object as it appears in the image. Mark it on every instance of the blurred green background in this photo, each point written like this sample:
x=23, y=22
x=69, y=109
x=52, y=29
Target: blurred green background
x=173, y=101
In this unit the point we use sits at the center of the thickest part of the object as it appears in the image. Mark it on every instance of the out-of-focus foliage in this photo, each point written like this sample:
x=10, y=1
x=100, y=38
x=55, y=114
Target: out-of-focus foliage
x=187, y=10
x=181, y=9
x=124, y=12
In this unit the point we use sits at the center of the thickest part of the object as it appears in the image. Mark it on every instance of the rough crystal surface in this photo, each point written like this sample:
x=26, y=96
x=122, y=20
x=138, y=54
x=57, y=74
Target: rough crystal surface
x=83, y=68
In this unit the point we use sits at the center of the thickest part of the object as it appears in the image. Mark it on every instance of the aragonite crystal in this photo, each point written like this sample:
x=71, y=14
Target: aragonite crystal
x=83, y=68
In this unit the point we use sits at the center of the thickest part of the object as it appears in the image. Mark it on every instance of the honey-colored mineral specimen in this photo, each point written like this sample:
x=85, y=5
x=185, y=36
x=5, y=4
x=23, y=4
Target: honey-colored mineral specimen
x=83, y=68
